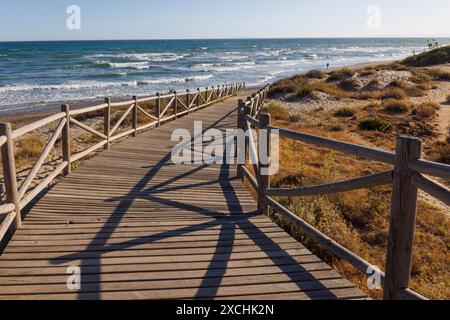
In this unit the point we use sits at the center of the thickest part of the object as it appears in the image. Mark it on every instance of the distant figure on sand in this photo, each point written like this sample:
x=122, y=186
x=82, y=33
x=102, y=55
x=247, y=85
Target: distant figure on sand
x=328, y=66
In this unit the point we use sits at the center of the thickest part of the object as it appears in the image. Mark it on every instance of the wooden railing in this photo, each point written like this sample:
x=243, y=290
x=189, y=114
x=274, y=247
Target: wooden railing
x=406, y=177
x=164, y=108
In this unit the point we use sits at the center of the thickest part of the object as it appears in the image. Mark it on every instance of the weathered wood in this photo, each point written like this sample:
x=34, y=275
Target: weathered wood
x=134, y=116
x=323, y=240
x=107, y=122
x=42, y=185
x=264, y=168
x=240, y=126
x=36, y=125
x=66, y=140
x=437, y=190
x=403, y=219
x=431, y=168
x=7, y=221
x=2, y=140
x=9, y=173
x=348, y=185
x=88, y=151
x=365, y=152
x=38, y=164
x=88, y=129
x=150, y=229
x=158, y=108
x=175, y=105
x=77, y=112
x=251, y=179
x=122, y=119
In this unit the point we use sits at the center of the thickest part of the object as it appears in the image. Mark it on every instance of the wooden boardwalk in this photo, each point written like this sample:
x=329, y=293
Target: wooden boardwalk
x=140, y=227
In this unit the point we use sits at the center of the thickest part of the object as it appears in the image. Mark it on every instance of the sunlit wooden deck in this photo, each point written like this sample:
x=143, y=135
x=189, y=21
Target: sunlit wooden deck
x=140, y=227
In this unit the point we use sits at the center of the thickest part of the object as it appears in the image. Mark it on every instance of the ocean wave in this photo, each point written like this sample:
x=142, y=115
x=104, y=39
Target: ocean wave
x=144, y=57
x=77, y=85
x=223, y=67
x=130, y=65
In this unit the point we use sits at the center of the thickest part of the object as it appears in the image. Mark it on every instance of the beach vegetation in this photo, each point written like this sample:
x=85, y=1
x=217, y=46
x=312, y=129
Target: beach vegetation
x=394, y=93
x=277, y=111
x=316, y=74
x=344, y=113
x=426, y=109
x=393, y=106
x=433, y=57
x=341, y=74
x=375, y=124
x=350, y=84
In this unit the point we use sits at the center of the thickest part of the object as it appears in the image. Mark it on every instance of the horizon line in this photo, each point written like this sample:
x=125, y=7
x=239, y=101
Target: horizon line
x=229, y=38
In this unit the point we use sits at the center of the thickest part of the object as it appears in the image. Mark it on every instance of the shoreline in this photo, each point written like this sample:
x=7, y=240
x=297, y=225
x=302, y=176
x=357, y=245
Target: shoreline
x=28, y=115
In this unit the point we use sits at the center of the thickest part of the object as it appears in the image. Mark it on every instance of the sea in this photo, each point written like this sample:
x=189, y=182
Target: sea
x=35, y=76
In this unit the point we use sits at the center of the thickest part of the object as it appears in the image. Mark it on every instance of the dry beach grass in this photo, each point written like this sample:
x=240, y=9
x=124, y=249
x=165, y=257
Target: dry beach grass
x=368, y=106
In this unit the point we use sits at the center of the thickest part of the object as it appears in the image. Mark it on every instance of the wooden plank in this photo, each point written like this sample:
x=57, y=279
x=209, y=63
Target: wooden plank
x=147, y=229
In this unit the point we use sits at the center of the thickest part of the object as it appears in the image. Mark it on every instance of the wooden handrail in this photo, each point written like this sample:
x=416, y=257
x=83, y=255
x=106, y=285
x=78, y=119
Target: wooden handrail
x=407, y=177
x=337, y=187
x=431, y=187
x=18, y=199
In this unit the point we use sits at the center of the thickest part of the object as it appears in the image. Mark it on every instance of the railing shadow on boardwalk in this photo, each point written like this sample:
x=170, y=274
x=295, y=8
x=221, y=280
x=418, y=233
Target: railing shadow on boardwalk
x=217, y=267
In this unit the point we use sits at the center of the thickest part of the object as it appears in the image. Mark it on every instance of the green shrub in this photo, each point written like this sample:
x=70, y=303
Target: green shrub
x=303, y=92
x=394, y=106
x=282, y=87
x=375, y=124
x=344, y=113
x=294, y=118
x=367, y=72
x=315, y=74
x=341, y=74
x=394, y=93
x=432, y=57
x=349, y=85
x=420, y=77
x=426, y=109
x=277, y=111
x=438, y=74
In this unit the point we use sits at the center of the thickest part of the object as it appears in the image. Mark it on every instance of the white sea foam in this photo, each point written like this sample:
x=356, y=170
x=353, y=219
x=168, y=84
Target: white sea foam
x=130, y=65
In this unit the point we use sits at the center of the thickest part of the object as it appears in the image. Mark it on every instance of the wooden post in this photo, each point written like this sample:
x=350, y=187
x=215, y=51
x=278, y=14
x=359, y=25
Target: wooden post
x=134, y=116
x=9, y=172
x=188, y=100
x=247, y=138
x=107, y=122
x=402, y=220
x=175, y=105
x=250, y=106
x=66, y=140
x=206, y=95
x=264, y=175
x=198, y=97
x=158, y=108
x=240, y=126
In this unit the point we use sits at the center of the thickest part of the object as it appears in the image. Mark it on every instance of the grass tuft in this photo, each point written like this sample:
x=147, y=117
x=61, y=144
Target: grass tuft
x=394, y=106
x=277, y=111
x=429, y=58
x=344, y=113
x=375, y=124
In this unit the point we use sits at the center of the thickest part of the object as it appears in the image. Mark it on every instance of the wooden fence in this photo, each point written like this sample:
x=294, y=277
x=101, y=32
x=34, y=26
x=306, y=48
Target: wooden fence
x=164, y=108
x=407, y=176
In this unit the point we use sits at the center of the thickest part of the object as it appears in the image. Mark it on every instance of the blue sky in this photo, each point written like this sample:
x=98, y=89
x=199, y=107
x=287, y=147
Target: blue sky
x=167, y=19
